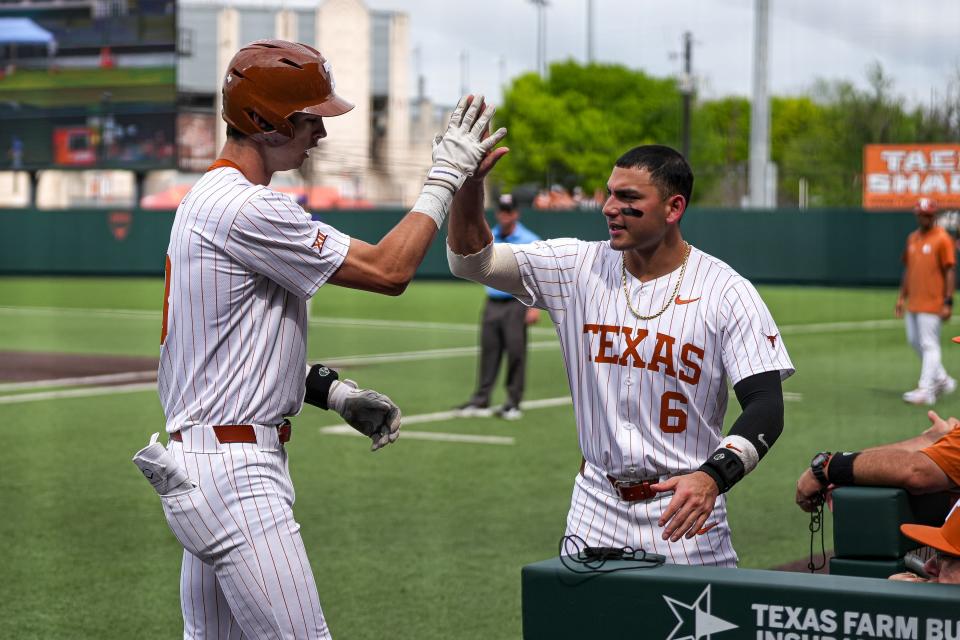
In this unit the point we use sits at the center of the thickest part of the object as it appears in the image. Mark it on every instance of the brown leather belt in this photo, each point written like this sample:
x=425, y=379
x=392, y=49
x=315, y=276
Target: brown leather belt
x=233, y=433
x=632, y=490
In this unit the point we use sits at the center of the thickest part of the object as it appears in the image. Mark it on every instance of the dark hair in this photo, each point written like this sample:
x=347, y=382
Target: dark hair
x=668, y=169
x=235, y=134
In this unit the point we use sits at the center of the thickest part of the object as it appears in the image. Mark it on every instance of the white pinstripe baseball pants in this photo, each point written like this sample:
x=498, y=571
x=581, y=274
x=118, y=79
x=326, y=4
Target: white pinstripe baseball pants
x=599, y=517
x=245, y=572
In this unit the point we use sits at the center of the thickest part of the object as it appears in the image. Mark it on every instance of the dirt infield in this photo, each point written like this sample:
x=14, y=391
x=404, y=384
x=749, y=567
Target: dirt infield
x=25, y=366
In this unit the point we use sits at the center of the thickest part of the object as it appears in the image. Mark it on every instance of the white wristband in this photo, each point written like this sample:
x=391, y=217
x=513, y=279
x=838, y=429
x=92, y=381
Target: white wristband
x=337, y=396
x=744, y=450
x=434, y=201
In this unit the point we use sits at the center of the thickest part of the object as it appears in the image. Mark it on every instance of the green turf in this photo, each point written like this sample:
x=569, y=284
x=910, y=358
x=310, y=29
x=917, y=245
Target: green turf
x=423, y=540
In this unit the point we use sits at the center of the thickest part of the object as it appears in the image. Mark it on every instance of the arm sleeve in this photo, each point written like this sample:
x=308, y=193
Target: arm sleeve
x=761, y=421
x=751, y=341
x=276, y=238
x=494, y=266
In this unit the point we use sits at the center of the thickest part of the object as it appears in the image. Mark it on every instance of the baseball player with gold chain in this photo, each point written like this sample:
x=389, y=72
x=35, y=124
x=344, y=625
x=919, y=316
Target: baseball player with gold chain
x=242, y=263
x=652, y=330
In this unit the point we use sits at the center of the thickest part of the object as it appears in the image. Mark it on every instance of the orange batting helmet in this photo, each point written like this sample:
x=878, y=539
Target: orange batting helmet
x=275, y=79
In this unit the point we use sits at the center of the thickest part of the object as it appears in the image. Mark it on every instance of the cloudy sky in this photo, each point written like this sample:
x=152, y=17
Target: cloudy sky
x=916, y=41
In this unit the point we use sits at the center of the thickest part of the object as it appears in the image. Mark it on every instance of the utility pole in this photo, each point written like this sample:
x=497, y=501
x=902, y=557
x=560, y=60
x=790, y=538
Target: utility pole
x=686, y=89
x=541, y=36
x=589, y=31
x=464, y=72
x=760, y=109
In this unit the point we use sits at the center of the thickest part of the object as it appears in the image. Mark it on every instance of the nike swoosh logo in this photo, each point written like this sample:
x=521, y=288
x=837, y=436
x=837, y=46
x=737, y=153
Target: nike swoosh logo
x=680, y=300
x=730, y=446
x=707, y=528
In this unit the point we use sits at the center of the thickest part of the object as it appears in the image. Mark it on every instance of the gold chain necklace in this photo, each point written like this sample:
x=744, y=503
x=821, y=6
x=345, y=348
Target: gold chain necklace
x=673, y=296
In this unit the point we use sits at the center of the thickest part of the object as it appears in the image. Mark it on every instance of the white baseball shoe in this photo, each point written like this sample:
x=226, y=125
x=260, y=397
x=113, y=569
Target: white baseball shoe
x=470, y=410
x=508, y=412
x=920, y=396
x=946, y=386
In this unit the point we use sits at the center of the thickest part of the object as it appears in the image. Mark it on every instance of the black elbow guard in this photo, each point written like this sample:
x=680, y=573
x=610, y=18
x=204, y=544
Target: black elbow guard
x=319, y=380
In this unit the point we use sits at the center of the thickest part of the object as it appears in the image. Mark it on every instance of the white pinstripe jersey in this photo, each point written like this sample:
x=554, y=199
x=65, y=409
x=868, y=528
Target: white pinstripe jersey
x=242, y=262
x=649, y=396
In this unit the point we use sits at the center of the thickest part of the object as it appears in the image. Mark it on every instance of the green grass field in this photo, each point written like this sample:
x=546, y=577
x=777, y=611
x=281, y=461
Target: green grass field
x=73, y=87
x=424, y=540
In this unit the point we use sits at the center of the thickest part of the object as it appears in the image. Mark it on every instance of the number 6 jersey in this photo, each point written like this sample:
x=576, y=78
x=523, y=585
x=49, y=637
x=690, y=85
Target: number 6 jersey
x=649, y=395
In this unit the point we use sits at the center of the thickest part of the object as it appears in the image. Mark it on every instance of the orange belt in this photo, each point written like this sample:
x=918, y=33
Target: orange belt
x=628, y=490
x=232, y=433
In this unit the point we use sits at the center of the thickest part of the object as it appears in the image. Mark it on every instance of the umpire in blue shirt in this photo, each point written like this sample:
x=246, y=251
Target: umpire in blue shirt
x=504, y=329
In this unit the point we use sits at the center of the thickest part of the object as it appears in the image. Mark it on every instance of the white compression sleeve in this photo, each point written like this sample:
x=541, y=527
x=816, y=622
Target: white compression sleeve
x=494, y=265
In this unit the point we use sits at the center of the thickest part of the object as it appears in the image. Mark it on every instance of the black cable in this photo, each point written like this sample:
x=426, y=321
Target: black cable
x=816, y=524
x=577, y=557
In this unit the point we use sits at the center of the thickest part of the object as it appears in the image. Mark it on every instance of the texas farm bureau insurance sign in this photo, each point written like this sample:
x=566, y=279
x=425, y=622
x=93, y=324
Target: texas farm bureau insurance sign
x=896, y=175
x=698, y=620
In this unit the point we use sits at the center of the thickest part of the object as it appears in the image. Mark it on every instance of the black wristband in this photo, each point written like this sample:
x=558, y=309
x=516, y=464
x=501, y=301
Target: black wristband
x=725, y=467
x=948, y=301
x=319, y=380
x=840, y=468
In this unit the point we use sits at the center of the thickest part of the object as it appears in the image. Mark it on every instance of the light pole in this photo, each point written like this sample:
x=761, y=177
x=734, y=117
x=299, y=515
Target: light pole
x=589, y=31
x=686, y=89
x=541, y=36
x=760, y=109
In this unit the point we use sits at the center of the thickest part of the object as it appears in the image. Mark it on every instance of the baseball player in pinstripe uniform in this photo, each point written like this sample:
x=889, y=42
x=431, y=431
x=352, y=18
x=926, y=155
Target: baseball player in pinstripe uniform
x=243, y=261
x=651, y=330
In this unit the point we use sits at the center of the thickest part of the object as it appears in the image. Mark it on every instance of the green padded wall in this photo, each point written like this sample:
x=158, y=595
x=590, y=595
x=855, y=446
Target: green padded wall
x=677, y=602
x=866, y=567
x=866, y=520
x=822, y=246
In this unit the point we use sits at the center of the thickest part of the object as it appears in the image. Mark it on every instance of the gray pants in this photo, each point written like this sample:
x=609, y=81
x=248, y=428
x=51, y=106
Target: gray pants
x=504, y=328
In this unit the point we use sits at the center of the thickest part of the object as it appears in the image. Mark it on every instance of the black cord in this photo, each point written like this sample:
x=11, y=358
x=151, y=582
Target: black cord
x=577, y=557
x=816, y=524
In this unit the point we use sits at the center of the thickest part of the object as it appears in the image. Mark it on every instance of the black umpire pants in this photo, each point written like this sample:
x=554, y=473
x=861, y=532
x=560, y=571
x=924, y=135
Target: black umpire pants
x=503, y=329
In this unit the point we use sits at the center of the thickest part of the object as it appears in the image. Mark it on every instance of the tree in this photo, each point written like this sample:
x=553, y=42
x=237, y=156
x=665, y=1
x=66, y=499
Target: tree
x=569, y=128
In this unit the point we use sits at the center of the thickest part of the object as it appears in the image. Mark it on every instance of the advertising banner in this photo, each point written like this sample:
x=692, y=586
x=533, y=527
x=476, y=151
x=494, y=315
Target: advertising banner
x=896, y=175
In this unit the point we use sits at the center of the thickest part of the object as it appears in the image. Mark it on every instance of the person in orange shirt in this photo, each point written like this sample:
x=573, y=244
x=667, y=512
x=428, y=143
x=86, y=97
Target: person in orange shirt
x=926, y=291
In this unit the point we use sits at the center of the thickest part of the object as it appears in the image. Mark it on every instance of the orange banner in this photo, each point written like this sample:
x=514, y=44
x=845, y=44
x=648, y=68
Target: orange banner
x=896, y=175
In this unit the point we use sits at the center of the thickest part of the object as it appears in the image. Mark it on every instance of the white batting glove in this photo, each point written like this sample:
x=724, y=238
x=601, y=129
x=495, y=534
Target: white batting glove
x=456, y=155
x=369, y=412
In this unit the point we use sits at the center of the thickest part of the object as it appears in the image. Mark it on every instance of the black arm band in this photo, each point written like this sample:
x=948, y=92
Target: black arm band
x=840, y=469
x=725, y=467
x=319, y=379
x=761, y=422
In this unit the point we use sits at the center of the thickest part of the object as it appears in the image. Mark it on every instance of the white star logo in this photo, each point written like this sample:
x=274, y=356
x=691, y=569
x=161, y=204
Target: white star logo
x=704, y=623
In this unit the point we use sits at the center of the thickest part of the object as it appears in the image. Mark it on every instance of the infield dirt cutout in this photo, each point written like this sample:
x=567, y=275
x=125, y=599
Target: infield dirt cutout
x=27, y=366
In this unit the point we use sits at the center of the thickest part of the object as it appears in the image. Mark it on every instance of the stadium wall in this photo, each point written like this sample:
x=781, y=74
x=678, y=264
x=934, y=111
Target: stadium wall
x=813, y=246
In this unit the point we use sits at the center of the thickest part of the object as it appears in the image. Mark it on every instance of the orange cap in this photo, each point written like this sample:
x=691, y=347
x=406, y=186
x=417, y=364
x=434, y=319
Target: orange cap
x=945, y=538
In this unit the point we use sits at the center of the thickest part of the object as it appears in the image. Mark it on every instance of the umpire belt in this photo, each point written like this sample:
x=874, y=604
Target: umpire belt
x=233, y=433
x=630, y=489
